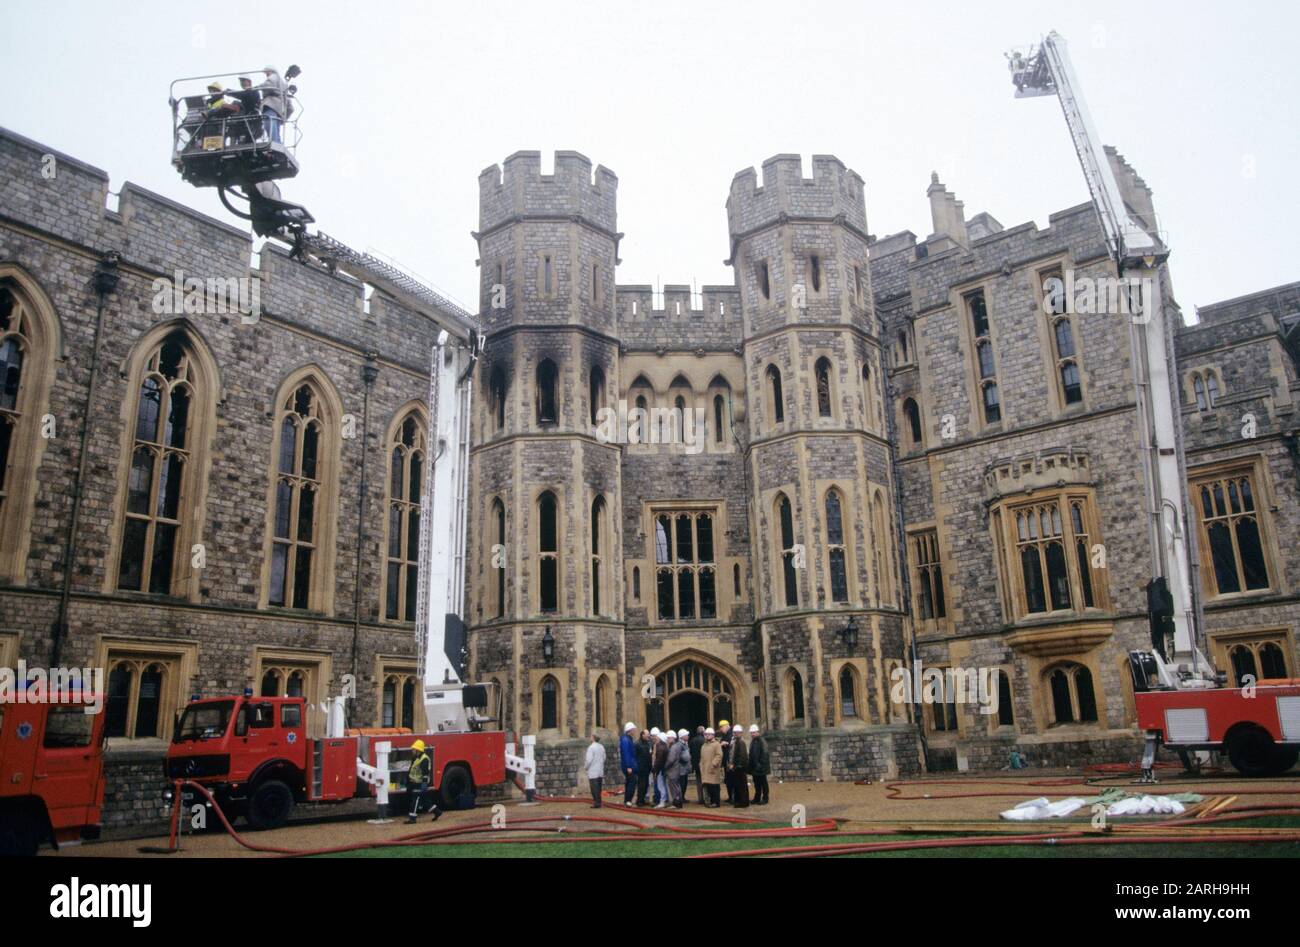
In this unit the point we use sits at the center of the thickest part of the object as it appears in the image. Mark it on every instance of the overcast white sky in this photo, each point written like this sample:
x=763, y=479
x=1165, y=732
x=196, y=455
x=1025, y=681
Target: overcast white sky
x=405, y=102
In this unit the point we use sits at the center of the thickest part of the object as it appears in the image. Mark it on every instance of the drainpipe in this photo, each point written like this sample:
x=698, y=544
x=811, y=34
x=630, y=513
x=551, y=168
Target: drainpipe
x=369, y=373
x=104, y=281
x=904, y=574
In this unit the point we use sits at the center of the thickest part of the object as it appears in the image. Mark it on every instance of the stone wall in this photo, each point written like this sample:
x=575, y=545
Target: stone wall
x=837, y=755
x=54, y=232
x=133, y=793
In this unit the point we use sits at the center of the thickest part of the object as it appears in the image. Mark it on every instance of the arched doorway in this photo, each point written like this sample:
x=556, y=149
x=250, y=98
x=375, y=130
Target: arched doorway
x=689, y=710
x=690, y=694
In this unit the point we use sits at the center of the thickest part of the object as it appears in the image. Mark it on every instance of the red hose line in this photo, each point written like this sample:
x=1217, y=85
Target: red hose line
x=986, y=842
x=450, y=835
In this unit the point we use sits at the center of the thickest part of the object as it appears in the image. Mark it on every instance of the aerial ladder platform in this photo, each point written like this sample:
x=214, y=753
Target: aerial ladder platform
x=220, y=140
x=1182, y=701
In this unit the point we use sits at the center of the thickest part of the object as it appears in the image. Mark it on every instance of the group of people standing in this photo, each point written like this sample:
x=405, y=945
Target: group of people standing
x=657, y=766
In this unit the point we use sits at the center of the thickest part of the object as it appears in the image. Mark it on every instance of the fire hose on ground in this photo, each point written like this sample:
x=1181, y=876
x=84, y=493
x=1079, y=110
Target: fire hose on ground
x=1204, y=824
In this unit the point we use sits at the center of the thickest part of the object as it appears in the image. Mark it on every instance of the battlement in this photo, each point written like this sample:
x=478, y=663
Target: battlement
x=679, y=318
x=678, y=301
x=56, y=194
x=833, y=190
x=70, y=199
x=519, y=189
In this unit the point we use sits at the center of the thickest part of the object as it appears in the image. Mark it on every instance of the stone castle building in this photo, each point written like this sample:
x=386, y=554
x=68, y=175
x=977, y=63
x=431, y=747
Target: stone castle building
x=909, y=453
x=203, y=501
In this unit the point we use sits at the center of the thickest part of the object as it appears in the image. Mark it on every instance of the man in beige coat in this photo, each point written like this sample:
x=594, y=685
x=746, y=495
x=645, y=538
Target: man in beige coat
x=711, y=769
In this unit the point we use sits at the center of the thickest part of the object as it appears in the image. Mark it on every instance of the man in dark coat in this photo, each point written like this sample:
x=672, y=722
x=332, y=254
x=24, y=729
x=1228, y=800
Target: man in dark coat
x=697, y=741
x=627, y=762
x=760, y=764
x=644, y=755
x=724, y=738
x=739, y=770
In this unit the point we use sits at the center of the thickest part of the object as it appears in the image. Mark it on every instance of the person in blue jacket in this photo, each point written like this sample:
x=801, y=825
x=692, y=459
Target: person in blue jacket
x=627, y=760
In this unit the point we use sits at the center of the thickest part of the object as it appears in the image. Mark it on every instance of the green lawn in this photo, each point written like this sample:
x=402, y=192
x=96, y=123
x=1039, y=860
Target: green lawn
x=671, y=848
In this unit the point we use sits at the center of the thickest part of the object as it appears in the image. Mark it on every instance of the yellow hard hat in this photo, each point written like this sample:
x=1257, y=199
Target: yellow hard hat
x=724, y=724
x=418, y=746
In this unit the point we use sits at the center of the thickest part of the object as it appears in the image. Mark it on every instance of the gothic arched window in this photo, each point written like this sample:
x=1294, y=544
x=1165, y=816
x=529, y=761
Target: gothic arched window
x=170, y=400
x=1072, y=697
x=406, y=458
x=304, y=473
x=29, y=343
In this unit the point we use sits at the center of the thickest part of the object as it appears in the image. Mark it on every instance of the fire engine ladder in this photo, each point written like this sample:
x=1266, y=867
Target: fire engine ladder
x=401, y=286
x=1047, y=70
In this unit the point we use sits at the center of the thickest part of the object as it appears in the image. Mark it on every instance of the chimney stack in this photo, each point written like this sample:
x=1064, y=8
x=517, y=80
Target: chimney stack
x=947, y=215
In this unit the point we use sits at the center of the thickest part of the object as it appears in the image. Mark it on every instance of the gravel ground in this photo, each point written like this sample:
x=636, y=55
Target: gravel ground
x=861, y=805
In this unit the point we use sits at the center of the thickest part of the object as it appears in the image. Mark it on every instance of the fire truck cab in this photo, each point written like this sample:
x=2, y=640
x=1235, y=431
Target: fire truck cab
x=51, y=774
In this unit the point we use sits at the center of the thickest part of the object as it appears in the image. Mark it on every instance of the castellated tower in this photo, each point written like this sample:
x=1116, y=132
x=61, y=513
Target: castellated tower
x=544, y=544
x=825, y=549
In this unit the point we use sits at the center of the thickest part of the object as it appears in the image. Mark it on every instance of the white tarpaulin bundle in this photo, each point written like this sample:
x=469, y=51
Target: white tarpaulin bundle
x=1042, y=808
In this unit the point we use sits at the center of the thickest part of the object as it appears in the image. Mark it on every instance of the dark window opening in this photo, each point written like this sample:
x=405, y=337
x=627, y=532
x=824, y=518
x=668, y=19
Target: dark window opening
x=550, y=703
x=824, y=387
x=1006, y=713
x=913, y=415
x=547, y=412
x=778, y=401
x=548, y=551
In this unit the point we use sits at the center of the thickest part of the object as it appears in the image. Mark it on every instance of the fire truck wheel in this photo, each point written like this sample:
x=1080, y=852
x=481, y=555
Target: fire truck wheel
x=270, y=804
x=1253, y=752
x=1286, y=758
x=19, y=834
x=457, y=789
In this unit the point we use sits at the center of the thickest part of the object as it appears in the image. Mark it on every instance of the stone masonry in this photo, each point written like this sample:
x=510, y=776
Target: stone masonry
x=780, y=571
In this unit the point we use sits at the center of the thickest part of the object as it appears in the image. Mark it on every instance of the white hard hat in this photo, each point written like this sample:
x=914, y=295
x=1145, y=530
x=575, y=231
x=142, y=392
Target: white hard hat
x=708, y=731
x=670, y=735
x=662, y=738
x=753, y=728
x=629, y=726
x=654, y=731
x=683, y=733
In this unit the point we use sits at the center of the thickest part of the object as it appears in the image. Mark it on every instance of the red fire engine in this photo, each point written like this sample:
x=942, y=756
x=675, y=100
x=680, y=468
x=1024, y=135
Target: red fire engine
x=1258, y=727
x=255, y=756
x=51, y=773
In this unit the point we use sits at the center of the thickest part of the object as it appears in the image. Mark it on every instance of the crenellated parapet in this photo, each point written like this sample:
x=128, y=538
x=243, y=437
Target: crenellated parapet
x=517, y=189
x=833, y=191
